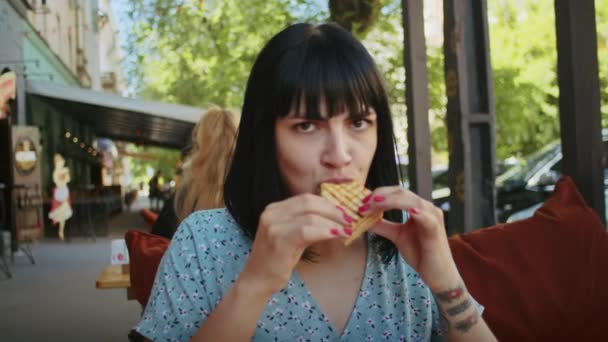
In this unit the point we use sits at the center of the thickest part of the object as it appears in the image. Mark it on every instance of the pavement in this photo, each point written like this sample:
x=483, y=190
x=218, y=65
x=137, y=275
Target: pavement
x=55, y=299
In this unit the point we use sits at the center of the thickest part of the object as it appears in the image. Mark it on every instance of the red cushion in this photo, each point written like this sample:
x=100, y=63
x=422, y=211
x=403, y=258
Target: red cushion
x=544, y=278
x=145, y=252
x=149, y=216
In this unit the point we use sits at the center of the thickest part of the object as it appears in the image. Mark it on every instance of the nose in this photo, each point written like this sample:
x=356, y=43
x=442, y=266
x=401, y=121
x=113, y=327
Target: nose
x=337, y=151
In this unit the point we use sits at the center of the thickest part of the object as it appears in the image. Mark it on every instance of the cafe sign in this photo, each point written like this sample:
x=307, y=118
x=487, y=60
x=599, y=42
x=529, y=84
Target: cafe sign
x=25, y=156
x=8, y=88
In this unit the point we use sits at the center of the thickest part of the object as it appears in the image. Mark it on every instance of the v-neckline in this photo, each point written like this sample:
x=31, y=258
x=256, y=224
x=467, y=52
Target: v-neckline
x=318, y=310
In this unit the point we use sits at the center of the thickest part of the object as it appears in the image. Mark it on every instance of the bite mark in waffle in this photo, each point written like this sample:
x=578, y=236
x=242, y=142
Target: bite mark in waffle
x=350, y=197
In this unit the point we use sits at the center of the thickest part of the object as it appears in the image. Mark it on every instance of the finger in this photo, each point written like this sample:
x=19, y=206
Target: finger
x=428, y=220
x=307, y=229
x=404, y=236
x=389, y=230
x=307, y=204
x=394, y=197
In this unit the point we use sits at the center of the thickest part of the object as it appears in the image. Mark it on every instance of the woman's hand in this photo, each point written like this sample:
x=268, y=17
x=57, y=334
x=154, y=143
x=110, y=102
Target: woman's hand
x=422, y=240
x=285, y=230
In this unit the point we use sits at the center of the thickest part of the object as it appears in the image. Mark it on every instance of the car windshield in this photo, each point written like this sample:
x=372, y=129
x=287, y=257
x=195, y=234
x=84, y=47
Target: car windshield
x=524, y=170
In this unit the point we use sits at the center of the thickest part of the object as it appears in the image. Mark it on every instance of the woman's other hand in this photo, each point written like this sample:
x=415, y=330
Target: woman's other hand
x=422, y=240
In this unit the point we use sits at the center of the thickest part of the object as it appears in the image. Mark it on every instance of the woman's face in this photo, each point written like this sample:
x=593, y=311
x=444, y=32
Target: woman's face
x=338, y=149
x=59, y=162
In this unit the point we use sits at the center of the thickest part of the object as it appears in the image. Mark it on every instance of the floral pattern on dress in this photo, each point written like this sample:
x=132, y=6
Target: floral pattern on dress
x=208, y=252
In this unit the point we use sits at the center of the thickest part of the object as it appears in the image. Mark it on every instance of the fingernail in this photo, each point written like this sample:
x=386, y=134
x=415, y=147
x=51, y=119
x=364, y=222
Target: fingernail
x=340, y=208
x=363, y=208
x=348, y=231
x=413, y=211
x=334, y=231
x=366, y=198
x=379, y=198
x=348, y=218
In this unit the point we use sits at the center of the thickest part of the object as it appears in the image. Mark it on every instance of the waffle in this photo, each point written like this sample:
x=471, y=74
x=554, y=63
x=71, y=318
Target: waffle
x=349, y=196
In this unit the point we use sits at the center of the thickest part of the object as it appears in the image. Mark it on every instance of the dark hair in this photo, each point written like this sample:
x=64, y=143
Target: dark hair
x=306, y=63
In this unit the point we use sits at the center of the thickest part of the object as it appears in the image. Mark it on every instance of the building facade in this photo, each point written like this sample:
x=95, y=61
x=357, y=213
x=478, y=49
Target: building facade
x=50, y=44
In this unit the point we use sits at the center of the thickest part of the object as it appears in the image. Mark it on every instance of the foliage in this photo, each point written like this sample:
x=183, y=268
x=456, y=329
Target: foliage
x=385, y=43
x=601, y=8
x=157, y=158
x=200, y=53
x=357, y=16
x=524, y=57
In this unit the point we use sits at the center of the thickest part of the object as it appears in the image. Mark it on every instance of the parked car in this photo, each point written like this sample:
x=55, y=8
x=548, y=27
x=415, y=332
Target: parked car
x=528, y=212
x=523, y=189
x=439, y=175
x=441, y=189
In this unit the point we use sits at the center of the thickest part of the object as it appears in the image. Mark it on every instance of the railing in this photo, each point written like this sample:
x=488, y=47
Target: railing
x=92, y=209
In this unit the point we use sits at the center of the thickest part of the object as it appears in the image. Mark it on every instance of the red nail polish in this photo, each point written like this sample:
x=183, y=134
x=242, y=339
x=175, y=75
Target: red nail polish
x=334, y=231
x=348, y=231
x=340, y=208
x=413, y=211
x=366, y=198
x=379, y=198
x=348, y=218
x=363, y=208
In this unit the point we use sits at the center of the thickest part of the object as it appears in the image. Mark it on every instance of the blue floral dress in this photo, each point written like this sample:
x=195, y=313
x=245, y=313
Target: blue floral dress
x=207, y=253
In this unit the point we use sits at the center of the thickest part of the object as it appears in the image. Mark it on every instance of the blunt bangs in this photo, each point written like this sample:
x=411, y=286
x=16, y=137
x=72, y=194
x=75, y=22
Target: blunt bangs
x=325, y=67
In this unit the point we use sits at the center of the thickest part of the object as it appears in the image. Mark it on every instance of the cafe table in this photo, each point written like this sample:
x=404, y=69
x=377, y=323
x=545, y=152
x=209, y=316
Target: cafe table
x=115, y=277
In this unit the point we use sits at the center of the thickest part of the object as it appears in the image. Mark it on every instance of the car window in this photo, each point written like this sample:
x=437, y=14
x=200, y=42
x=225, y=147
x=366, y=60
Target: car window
x=525, y=170
x=440, y=179
x=557, y=167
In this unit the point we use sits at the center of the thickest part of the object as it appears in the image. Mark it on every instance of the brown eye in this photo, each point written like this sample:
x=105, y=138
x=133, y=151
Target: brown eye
x=361, y=124
x=305, y=126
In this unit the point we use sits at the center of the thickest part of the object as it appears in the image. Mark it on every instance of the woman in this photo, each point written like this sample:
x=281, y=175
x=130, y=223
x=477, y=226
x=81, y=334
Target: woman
x=202, y=182
x=273, y=266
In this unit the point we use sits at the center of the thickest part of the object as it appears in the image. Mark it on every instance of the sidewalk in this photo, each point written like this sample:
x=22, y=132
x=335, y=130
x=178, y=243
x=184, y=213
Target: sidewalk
x=56, y=299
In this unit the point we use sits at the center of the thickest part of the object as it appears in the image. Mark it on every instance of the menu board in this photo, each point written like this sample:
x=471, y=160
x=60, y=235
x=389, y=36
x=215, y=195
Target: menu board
x=27, y=182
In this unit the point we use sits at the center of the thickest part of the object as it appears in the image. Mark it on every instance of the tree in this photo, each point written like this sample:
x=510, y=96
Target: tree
x=152, y=159
x=199, y=53
x=357, y=16
x=524, y=59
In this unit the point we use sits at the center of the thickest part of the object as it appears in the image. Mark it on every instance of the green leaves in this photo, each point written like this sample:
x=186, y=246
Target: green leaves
x=200, y=52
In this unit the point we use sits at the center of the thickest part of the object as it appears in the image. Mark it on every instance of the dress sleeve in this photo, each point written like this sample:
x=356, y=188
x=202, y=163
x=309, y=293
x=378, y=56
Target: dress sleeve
x=177, y=305
x=436, y=331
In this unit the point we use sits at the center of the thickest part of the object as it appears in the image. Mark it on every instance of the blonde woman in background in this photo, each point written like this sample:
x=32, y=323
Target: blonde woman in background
x=204, y=171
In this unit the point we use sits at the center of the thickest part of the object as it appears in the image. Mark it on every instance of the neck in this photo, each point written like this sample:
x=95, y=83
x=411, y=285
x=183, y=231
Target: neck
x=334, y=250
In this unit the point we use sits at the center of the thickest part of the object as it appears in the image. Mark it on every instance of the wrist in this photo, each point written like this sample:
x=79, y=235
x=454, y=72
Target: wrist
x=450, y=279
x=251, y=285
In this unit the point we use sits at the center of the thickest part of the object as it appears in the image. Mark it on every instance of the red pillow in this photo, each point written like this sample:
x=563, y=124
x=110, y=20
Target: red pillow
x=544, y=278
x=145, y=252
x=149, y=216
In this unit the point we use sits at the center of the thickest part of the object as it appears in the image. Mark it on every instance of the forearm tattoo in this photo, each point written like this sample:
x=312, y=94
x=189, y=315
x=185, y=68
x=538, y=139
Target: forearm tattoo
x=459, y=308
x=466, y=324
x=450, y=295
x=462, y=303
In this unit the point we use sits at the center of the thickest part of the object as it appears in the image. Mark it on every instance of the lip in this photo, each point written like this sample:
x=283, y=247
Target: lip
x=334, y=181
x=338, y=180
